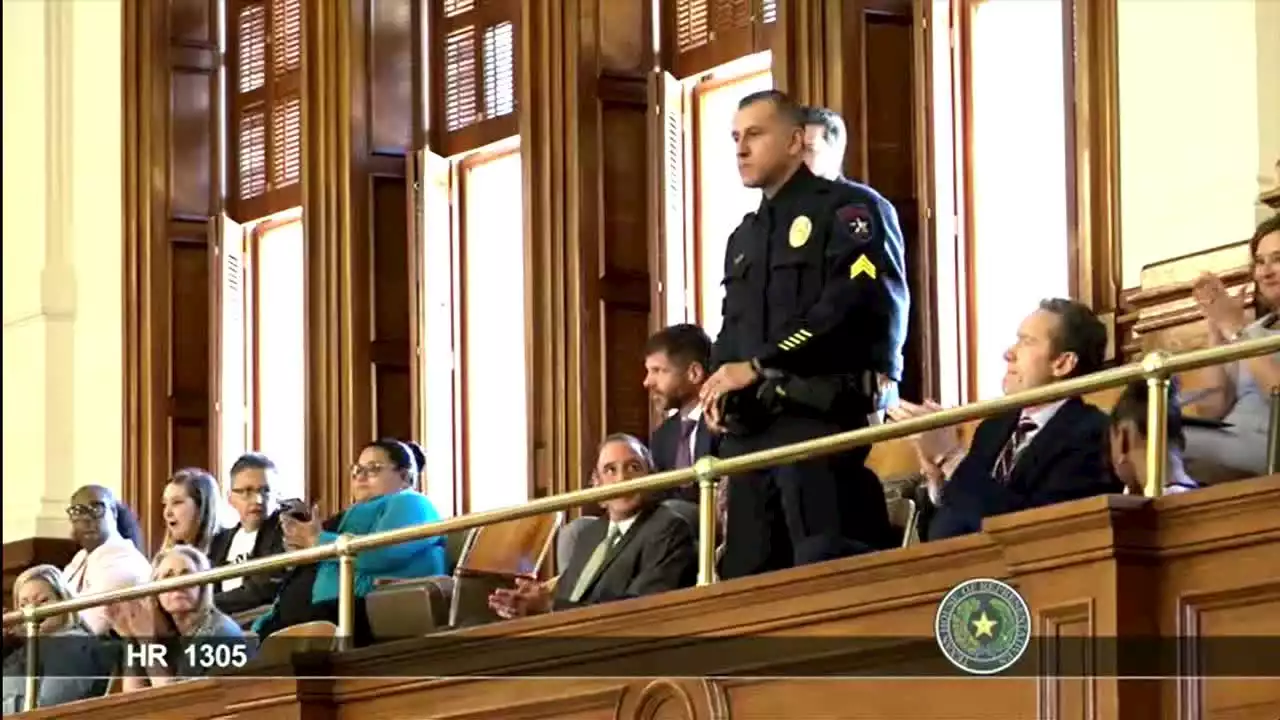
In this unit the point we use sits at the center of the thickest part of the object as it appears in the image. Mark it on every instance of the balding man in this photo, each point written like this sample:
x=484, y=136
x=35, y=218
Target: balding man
x=638, y=547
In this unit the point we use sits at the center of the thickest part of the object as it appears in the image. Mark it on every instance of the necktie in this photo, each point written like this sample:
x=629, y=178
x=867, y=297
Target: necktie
x=593, y=563
x=684, y=452
x=1009, y=456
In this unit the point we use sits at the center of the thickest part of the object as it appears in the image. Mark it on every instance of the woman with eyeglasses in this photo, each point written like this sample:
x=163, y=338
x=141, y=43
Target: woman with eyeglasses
x=72, y=664
x=383, y=483
x=110, y=556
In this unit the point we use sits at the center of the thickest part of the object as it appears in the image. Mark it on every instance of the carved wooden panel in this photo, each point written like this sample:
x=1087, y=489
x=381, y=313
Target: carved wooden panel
x=171, y=132
x=1065, y=664
x=623, y=288
x=381, y=66
x=1221, y=627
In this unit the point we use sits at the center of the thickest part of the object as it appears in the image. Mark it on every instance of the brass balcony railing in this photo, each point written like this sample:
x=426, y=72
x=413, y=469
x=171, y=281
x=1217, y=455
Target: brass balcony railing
x=1155, y=368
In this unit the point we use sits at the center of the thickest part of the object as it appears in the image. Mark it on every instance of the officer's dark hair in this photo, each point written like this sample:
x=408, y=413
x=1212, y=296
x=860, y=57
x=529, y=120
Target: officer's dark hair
x=790, y=111
x=1268, y=226
x=1132, y=407
x=252, y=461
x=685, y=344
x=833, y=128
x=1079, y=332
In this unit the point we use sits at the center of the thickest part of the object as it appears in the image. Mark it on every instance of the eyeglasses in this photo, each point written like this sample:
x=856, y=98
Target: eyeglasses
x=369, y=470
x=251, y=492
x=93, y=510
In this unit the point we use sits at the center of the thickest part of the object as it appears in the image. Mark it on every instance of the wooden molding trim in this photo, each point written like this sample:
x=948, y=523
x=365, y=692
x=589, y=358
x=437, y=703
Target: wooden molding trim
x=170, y=256
x=1095, y=145
x=547, y=98
x=326, y=170
x=137, y=207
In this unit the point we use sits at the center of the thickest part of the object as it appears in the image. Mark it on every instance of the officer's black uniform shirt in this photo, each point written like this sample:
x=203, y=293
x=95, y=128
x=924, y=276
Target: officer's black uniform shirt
x=890, y=354
x=809, y=286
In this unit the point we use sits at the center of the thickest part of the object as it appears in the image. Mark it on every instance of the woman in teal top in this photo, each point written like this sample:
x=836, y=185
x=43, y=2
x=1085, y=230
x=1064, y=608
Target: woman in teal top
x=383, y=483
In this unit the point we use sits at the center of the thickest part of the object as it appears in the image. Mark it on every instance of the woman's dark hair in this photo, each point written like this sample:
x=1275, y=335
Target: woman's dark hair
x=127, y=525
x=1265, y=228
x=401, y=456
x=419, y=459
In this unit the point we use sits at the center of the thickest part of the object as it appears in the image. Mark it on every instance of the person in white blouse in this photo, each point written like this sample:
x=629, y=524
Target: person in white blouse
x=1127, y=441
x=110, y=555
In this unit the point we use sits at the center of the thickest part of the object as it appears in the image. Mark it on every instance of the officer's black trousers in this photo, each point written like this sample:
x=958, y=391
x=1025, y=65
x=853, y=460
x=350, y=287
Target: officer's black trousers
x=814, y=510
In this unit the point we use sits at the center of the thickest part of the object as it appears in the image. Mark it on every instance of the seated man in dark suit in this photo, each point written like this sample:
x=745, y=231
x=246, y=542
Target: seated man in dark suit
x=1030, y=458
x=257, y=535
x=675, y=366
x=639, y=547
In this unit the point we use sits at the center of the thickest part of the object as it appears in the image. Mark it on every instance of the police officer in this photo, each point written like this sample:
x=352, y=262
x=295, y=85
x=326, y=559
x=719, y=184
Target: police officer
x=806, y=297
x=825, y=139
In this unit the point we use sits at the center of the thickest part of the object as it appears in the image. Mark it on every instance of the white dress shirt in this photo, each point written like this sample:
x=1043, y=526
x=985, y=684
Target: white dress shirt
x=116, y=563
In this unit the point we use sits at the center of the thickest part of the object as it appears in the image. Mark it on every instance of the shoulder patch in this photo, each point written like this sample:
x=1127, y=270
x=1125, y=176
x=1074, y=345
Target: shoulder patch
x=858, y=219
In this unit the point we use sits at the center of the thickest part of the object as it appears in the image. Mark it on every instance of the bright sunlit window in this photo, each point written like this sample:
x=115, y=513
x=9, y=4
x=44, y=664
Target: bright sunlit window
x=475, y=391
x=262, y=398
x=280, y=344
x=720, y=196
x=495, y=390
x=1019, y=172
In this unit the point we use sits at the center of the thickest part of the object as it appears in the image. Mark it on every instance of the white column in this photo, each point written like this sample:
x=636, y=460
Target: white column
x=62, y=258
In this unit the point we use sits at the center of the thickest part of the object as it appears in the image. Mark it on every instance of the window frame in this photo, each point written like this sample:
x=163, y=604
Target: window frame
x=460, y=166
x=693, y=237
x=253, y=305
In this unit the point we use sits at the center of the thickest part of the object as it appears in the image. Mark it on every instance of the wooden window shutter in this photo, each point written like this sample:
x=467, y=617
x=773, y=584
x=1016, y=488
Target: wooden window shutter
x=671, y=195
x=767, y=26
x=702, y=34
x=476, y=46
x=264, y=107
x=233, y=345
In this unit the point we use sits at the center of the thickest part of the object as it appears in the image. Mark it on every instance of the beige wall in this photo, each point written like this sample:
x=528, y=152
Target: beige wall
x=1197, y=80
x=62, y=257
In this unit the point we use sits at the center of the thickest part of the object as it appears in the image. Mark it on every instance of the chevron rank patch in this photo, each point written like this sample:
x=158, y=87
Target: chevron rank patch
x=858, y=220
x=862, y=266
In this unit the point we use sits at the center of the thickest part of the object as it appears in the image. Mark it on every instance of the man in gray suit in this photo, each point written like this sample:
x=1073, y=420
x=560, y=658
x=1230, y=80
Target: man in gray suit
x=639, y=547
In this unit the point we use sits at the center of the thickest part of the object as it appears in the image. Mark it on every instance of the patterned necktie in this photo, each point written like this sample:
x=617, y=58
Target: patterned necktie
x=593, y=563
x=1009, y=456
x=684, y=451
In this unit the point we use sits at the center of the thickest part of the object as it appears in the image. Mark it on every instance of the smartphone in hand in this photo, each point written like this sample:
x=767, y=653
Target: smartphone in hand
x=296, y=509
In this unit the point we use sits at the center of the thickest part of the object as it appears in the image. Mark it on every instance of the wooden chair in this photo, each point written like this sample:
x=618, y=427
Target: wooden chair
x=316, y=636
x=488, y=558
x=495, y=556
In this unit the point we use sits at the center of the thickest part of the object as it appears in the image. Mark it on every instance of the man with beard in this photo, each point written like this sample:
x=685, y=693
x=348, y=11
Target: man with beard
x=675, y=366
